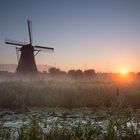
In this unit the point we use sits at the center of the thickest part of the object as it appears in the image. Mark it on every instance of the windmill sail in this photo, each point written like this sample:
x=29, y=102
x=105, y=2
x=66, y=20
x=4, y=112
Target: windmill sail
x=13, y=42
x=30, y=30
x=42, y=47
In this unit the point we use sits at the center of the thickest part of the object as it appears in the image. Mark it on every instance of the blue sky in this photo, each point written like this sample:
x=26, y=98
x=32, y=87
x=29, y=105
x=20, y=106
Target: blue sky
x=92, y=32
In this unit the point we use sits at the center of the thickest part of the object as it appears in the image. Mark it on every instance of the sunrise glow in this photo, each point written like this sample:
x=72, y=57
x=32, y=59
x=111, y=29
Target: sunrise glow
x=124, y=71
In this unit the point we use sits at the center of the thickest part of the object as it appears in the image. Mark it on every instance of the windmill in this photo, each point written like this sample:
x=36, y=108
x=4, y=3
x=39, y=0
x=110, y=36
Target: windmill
x=26, y=62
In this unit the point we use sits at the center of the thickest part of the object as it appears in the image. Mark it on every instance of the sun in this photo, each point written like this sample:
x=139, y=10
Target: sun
x=124, y=71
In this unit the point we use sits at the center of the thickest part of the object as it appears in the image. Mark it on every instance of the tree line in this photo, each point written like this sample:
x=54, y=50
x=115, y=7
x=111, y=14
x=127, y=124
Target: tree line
x=72, y=72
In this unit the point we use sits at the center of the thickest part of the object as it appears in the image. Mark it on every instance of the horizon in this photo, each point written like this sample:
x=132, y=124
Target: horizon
x=45, y=68
x=100, y=35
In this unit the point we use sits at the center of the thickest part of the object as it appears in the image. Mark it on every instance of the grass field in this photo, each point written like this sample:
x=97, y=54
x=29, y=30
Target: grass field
x=68, y=92
x=114, y=108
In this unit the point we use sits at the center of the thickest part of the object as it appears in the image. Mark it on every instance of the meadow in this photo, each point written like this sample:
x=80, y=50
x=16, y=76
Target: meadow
x=101, y=107
x=70, y=92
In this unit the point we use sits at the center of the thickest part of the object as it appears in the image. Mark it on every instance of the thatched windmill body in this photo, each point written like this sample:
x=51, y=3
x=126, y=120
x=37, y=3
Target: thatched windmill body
x=26, y=62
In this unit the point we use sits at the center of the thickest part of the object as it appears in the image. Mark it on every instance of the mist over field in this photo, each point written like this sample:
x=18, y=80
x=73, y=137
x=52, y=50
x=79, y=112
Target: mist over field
x=70, y=91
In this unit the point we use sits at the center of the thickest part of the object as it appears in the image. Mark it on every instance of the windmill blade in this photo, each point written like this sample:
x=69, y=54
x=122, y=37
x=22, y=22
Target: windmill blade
x=13, y=42
x=30, y=30
x=44, y=48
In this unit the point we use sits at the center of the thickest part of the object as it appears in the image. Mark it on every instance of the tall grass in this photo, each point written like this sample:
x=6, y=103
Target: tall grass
x=68, y=93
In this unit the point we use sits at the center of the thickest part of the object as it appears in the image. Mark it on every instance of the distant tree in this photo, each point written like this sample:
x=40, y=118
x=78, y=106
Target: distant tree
x=89, y=72
x=78, y=73
x=56, y=71
x=53, y=70
x=75, y=73
x=71, y=72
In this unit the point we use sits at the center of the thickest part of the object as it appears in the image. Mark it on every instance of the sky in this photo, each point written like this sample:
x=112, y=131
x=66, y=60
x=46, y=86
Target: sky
x=99, y=34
